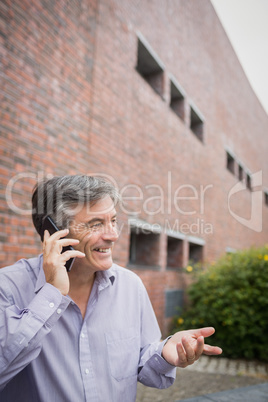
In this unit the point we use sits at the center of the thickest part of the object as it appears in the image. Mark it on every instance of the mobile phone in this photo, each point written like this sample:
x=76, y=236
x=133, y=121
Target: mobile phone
x=51, y=226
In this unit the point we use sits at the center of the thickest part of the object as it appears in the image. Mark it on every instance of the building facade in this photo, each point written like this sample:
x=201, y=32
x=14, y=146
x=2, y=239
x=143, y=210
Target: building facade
x=151, y=95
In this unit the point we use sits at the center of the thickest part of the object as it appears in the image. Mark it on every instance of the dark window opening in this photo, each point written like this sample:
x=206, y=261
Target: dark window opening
x=248, y=181
x=240, y=173
x=266, y=198
x=195, y=253
x=173, y=302
x=174, y=252
x=144, y=248
x=197, y=124
x=150, y=69
x=177, y=102
x=230, y=163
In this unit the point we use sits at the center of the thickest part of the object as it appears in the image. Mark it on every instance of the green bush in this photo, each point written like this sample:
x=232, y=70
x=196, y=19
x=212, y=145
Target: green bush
x=232, y=296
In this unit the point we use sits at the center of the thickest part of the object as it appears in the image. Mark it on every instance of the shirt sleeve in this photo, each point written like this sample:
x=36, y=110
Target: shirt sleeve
x=22, y=329
x=154, y=370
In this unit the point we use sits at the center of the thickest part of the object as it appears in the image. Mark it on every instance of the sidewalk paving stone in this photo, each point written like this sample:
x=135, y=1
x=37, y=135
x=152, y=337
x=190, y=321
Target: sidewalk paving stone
x=211, y=376
x=256, y=393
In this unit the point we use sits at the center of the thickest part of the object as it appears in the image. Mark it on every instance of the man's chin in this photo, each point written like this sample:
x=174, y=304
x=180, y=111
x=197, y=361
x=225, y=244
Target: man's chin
x=106, y=266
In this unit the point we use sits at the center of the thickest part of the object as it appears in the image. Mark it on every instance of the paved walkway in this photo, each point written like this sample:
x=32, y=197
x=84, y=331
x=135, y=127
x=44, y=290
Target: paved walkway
x=221, y=365
x=213, y=377
x=256, y=393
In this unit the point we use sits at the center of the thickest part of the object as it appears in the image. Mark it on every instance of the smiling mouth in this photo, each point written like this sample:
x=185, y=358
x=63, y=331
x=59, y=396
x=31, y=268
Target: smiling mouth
x=102, y=250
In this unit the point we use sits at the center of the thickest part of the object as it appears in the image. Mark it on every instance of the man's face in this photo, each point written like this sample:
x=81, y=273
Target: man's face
x=96, y=228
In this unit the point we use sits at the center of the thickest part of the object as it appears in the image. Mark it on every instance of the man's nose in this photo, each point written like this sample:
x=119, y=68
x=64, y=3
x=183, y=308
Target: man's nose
x=111, y=232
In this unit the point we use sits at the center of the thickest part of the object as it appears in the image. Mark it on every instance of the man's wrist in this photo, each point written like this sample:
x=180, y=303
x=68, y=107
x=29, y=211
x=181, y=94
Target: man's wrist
x=166, y=341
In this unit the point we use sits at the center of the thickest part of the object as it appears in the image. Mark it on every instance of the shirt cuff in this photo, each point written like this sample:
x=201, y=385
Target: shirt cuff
x=160, y=364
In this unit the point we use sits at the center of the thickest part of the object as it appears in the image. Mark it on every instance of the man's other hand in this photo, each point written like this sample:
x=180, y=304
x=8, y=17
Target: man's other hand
x=185, y=347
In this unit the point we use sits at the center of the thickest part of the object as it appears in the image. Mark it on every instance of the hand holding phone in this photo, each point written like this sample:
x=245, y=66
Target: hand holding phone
x=58, y=255
x=51, y=227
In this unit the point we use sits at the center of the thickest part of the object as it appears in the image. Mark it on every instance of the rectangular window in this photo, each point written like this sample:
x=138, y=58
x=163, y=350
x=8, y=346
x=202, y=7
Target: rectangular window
x=195, y=253
x=196, y=123
x=177, y=101
x=240, y=173
x=266, y=197
x=248, y=181
x=173, y=302
x=174, y=252
x=230, y=162
x=144, y=248
x=150, y=67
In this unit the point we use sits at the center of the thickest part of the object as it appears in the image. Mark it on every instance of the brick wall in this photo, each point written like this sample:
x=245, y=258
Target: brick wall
x=73, y=101
x=47, y=53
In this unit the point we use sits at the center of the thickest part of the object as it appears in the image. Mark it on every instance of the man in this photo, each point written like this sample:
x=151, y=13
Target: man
x=89, y=334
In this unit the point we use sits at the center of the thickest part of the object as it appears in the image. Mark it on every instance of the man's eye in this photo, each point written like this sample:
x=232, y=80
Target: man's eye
x=96, y=225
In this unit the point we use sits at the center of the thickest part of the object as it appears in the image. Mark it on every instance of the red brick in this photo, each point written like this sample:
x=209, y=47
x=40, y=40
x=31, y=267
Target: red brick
x=70, y=69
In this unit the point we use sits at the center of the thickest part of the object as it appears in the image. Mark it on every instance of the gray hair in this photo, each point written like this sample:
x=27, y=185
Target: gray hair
x=60, y=197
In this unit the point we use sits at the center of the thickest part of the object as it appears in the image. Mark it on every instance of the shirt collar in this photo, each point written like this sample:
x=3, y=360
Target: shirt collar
x=103, y=278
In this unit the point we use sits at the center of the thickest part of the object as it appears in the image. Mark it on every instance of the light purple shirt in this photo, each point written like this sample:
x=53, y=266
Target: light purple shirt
x=49, y=353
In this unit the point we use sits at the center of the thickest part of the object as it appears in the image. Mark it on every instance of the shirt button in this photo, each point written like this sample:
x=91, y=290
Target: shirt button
x=51, y=305
x=87, y=371
x=82, y=335
x=59, y=310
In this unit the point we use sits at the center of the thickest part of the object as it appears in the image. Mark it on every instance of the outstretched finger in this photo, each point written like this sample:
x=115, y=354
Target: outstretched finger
x=205, y=332
x=200, y=347
x=212, y=350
